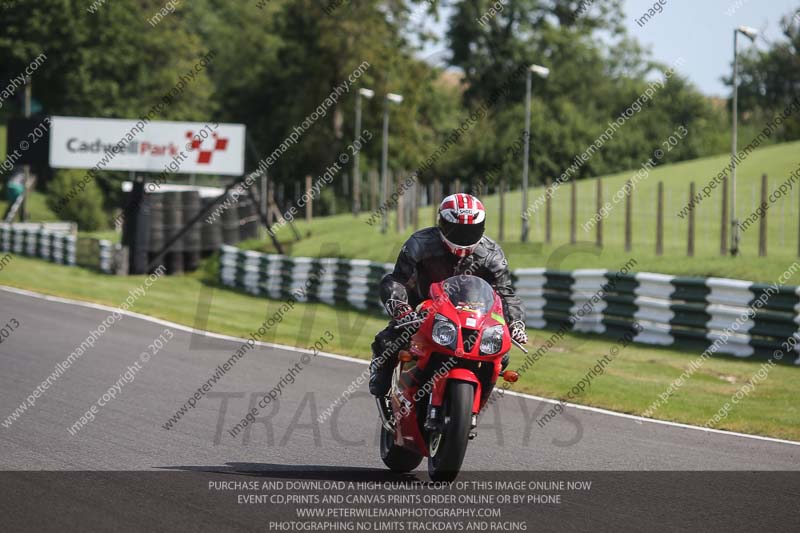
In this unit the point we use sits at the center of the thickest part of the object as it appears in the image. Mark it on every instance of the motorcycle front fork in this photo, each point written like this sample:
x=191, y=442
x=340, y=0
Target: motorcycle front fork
x=385, y=413
x=434, y=422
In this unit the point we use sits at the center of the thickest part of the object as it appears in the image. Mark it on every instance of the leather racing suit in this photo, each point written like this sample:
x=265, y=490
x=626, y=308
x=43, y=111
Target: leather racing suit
x=423, y=260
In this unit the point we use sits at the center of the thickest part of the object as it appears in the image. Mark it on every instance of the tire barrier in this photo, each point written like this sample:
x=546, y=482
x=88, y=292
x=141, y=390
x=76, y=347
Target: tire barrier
x=190, y=201
x=248, y=219
x=173, y=223
x=140, y=256
x=210, y=234
x=157, y=228
x=156, y=217
x=106, y=252
x=230, y=225
x=352, y=282
x=50, y=245
x=738, y=318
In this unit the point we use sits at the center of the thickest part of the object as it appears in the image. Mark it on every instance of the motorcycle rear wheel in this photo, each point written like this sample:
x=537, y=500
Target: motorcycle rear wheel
x=447, y=455
x=397, y=458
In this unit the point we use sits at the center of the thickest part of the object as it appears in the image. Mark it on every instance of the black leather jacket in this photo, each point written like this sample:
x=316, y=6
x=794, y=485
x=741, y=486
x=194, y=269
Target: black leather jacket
x=424, y=259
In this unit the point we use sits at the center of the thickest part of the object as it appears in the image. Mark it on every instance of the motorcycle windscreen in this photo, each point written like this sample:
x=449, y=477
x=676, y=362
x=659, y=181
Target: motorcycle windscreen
x=469, y=293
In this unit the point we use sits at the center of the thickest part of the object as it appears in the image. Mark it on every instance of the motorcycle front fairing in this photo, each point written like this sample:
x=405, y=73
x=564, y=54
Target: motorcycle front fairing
x=472, y=319
x=471, y=306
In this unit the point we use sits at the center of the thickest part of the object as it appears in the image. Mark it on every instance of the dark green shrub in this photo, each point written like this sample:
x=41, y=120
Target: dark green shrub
x=75, y=197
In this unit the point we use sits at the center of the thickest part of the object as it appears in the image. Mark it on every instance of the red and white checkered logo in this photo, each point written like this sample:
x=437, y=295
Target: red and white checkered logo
x=204, y=156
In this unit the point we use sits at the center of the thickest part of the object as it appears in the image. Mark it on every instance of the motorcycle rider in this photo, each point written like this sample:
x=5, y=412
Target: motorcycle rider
x=456, y=246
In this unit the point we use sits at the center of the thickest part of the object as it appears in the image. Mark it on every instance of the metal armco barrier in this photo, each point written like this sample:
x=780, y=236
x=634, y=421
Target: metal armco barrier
x=671, y=310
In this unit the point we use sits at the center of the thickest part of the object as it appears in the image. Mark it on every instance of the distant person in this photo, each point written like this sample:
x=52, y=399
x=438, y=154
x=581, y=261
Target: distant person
x=15, y=187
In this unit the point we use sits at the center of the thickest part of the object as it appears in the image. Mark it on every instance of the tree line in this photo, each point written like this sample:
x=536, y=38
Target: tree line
x=276, y=61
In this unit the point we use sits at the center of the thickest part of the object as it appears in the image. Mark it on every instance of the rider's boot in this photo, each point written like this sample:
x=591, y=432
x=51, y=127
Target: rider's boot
x=382, y=364
x=380, y=380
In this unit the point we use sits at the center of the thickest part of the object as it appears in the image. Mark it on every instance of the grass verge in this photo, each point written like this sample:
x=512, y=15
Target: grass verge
x=37, y=208
x=630, y=384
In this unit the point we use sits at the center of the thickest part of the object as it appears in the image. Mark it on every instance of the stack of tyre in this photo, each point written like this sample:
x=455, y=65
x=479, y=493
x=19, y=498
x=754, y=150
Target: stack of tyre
x=162, y=215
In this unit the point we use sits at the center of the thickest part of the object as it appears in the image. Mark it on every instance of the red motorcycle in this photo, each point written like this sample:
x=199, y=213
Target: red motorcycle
x=444, y=379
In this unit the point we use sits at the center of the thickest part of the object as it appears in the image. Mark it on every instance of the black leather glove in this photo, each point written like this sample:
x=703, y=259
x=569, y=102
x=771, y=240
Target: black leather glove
x=517, y=330
x=403, y=314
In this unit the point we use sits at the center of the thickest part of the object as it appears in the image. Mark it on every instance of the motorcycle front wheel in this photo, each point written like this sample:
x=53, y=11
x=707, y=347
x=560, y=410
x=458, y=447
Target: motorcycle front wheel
x=448, y=447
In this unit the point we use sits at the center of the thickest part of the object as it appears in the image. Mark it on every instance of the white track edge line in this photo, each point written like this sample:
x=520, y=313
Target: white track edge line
x=640, y=419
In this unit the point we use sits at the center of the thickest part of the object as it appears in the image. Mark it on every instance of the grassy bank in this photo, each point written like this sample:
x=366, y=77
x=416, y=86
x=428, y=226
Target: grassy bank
x=630, y=384
x=346, y=236
x=354, y=237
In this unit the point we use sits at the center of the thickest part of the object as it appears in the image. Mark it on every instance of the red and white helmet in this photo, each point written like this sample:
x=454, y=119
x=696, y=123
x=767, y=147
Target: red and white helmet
x=461, y=222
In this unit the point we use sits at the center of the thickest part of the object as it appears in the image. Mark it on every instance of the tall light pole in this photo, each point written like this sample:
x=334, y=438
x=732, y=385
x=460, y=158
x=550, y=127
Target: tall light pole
x=366, y=93
x=751, y=33
x=397, y=99
x=543, y=72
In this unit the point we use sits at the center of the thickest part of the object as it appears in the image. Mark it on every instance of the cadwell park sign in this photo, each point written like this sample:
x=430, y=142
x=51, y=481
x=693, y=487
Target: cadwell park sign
x=120, y=144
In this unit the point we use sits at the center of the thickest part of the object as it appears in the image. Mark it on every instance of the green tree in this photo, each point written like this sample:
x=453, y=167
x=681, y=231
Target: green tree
x=85, y=208
x=770, y=81
x=110, y=63
x=278, y=63
x=593, y=80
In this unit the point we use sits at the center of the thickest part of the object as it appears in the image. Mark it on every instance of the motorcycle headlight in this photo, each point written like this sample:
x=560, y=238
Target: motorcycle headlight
x=444, y=332
x=492, y=340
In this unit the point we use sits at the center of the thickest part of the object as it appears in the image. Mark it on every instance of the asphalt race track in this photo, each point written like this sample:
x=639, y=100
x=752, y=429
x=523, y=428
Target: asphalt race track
x=286, y=442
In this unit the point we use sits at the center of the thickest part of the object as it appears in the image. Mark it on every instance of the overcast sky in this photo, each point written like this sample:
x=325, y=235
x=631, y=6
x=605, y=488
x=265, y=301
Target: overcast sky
x=699, y=31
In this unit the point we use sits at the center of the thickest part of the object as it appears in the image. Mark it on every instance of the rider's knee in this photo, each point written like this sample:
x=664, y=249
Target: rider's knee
x=381, y=343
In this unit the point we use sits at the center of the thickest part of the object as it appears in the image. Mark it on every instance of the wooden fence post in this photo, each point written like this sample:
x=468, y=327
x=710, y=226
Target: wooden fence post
x=268, y=199
x=660, y=220
x=432, y=201
x=457, y=186
x=400, y=221
x=723, y=231
x=599, y=240
x=308, y=205
x=548, y=212
x=690, y=237
x=373, y=191
x=798, y=228
x=437, y=199
x=762, y=226
x=356, y=193
x=387, y=182
x=573, y=214
x=417, y=203
x=501, y=220
x=628, y=217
